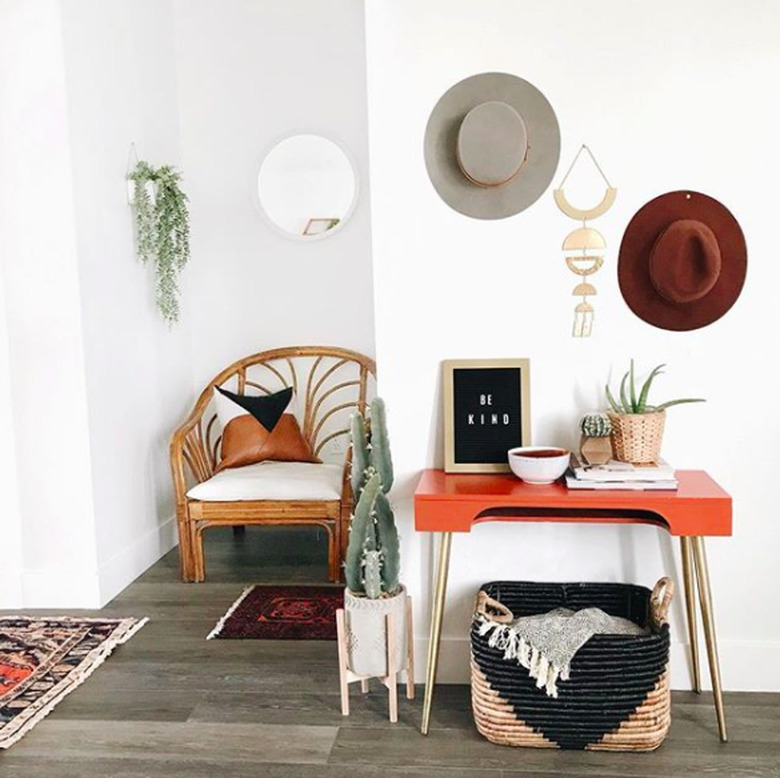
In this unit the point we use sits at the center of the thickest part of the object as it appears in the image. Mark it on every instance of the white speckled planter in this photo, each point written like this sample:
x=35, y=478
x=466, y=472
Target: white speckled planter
x=366, y=622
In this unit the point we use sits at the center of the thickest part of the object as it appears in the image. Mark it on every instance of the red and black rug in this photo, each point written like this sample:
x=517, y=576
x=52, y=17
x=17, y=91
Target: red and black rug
x=43, y=659
x=282, y=613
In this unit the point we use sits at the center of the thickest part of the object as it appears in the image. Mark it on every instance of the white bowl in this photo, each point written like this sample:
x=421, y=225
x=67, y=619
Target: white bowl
x=534, y=467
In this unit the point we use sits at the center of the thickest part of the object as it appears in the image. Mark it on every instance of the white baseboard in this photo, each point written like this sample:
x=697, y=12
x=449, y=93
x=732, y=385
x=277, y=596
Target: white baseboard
x=745, y=665
x=61, y=587
x=124, y=567
x=10, y=587
x=77, y=587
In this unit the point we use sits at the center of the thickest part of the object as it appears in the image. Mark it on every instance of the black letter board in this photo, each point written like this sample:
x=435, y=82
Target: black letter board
x=486, y=413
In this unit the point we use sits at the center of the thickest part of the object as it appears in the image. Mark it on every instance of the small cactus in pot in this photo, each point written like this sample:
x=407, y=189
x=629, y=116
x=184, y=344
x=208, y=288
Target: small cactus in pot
x=595, y=444
x=372, y=564
x=596, y=425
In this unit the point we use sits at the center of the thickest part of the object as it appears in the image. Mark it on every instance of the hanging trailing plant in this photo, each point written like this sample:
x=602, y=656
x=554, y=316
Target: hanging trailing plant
x=162, y=223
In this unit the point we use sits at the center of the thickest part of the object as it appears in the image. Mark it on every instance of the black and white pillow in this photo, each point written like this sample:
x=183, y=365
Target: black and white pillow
x=260, y=428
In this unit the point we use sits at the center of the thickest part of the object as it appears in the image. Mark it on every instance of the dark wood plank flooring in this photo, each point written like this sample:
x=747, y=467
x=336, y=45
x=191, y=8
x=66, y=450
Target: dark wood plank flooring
x=171, y=704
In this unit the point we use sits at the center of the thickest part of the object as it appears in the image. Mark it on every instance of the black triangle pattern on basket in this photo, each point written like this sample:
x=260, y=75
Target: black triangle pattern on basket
x=611, y=675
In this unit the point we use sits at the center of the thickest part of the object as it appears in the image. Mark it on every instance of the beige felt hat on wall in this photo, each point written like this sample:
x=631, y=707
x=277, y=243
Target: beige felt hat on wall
x=492, y=145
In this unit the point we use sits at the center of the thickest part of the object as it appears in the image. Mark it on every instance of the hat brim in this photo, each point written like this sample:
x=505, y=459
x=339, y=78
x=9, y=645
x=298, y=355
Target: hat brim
x=634, y=261
x=441, y=135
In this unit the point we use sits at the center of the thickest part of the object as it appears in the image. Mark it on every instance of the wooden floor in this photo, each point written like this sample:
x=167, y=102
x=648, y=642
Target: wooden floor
x=171, y=704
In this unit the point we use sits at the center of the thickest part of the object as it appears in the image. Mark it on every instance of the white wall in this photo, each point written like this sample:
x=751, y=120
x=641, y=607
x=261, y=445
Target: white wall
x=10, y=522
x=249, y=74
x=98, y=381
x=137, y=368
x=668, y=96
x=43, y=313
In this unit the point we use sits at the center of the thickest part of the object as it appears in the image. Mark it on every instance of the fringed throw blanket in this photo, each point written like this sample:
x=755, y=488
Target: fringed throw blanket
x=546, y=643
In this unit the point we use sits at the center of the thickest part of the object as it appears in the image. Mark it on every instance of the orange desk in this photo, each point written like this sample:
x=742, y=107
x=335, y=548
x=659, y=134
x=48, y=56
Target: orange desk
x=454, y=502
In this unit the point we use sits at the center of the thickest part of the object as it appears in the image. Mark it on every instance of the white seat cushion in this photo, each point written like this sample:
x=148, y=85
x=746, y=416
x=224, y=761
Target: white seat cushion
x=272, y=481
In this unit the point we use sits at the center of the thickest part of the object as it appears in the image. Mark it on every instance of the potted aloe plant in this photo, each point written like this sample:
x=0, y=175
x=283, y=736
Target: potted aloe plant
x=372, y=564
x=638, y=426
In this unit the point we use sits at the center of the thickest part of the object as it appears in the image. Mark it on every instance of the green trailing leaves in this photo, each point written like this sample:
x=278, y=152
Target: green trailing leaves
x=143, y=190
x=162, y=226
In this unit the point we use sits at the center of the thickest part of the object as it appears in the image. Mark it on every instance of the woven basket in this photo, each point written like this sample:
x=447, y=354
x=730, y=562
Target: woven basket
x=617, y=697
x=637, y=437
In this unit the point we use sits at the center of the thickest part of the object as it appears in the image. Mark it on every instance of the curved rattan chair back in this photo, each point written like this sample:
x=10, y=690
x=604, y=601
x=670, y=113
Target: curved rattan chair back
x=329, y=384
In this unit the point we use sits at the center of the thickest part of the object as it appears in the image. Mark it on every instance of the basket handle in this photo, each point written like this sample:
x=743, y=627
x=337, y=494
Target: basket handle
x=493, y=609
x=660, y=599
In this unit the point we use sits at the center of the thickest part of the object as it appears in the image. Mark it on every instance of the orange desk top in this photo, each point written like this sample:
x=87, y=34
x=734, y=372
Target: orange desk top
x=454, y=502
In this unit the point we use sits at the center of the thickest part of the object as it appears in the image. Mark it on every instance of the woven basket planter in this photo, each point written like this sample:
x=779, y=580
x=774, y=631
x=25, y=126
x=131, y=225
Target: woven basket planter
x=617, y=697
x=637, y=437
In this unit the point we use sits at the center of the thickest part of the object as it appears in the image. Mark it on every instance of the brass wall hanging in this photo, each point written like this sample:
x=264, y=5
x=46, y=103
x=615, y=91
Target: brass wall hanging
x=583, y=248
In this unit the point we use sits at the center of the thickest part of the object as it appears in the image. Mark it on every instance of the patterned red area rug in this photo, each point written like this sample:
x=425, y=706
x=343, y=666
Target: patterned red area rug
x=282, y=613
x=43, y=659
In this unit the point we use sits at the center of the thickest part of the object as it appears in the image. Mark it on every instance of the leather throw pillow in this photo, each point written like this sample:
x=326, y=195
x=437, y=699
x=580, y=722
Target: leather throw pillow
x=257, y=429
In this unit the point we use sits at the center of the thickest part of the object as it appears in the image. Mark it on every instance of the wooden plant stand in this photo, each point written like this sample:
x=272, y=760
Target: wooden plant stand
x=346, y=676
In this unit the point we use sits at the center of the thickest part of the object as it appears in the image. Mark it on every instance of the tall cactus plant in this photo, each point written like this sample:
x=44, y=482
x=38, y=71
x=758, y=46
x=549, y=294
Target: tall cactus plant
x=373, y=556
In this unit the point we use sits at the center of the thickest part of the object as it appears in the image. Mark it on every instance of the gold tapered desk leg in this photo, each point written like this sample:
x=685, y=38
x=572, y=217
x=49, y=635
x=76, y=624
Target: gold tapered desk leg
x=437, y=615
x=707, y=617
x=690, y=609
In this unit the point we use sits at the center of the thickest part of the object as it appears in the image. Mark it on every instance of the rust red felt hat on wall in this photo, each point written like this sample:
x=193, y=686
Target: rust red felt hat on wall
x=682, y=261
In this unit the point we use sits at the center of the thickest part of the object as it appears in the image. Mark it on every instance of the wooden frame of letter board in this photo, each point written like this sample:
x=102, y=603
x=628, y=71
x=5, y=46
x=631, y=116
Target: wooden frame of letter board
x=448, y=368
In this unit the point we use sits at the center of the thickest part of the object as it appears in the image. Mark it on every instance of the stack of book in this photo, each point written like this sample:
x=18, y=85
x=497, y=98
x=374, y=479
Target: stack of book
x=620, y=475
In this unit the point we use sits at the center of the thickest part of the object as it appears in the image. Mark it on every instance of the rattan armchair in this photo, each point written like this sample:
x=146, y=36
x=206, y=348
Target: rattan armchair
x=329, y=384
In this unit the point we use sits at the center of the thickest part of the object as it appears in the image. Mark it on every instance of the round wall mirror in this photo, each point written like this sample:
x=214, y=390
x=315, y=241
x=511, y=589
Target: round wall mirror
x=307, y=186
